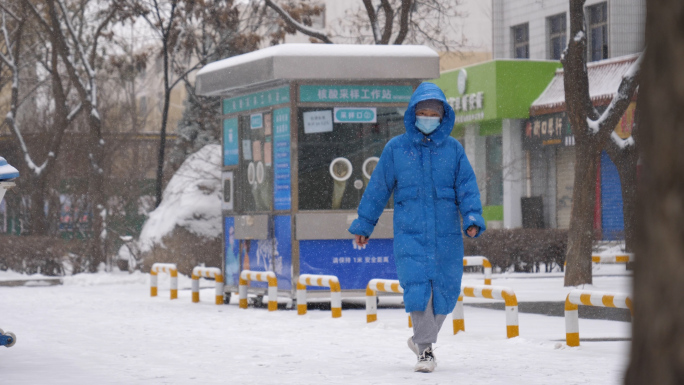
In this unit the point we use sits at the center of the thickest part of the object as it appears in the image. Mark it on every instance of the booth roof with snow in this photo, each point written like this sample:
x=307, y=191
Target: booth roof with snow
x=327, y=62
x=303, y=127
x=7, y=173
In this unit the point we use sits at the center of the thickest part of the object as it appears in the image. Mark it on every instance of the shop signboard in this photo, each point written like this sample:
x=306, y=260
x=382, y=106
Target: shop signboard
x=230, y=142
x=356, y=115
x=282, y=194
x=257, y=100
x=546, y=130
x=554, y=129
x=355, y=93
x=498, y=89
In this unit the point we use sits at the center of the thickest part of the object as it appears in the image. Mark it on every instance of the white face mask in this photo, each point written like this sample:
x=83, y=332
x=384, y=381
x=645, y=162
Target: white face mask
x=427, y=124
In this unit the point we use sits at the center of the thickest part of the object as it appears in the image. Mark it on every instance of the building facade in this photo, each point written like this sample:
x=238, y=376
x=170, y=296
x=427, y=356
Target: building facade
x=538, y=30
x=550, y=147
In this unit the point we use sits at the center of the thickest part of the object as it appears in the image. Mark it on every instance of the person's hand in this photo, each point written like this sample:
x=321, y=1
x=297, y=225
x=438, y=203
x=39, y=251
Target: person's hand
x=361, y=240
x=472, y=231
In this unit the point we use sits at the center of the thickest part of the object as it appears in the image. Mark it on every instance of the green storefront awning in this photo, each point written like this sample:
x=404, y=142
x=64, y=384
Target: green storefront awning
x=488, y=92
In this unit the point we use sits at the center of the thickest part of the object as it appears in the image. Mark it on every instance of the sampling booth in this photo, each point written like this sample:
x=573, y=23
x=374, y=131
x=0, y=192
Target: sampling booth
x=7, y=175
x=303, y=128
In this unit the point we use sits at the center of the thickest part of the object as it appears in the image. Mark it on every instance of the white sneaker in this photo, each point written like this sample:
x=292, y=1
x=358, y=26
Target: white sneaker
x=426, y=362
x=413, y=346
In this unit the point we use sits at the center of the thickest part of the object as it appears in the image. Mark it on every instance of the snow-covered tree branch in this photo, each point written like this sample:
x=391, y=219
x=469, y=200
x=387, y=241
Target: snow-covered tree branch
x=297, y=25
x=625, y=93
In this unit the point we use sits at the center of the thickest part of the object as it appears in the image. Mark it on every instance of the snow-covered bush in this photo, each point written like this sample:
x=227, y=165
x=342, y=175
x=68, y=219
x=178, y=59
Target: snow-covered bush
x=186, y=227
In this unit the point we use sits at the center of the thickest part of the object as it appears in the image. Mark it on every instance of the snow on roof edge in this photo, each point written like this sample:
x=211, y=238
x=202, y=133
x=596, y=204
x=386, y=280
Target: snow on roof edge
x=342, y=50
x=539, y=104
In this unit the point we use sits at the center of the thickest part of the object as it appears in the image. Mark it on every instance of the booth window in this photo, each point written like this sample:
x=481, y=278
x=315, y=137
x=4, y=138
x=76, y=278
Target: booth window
x=336, y=159
x=256, y=163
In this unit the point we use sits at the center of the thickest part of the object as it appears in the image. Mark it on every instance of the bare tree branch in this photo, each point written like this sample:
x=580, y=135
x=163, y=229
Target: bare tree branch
x=9, y=11
x=389, y=21
x=611, y=116
x=404, y=21
x=12, y=62
x=298, y=26
x=38, y=15
x=184, y=75
x=373, y=19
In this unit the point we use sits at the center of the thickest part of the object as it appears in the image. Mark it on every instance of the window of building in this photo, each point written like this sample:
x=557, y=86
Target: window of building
x=557, y=36
x=521, y=41
x=598, y=31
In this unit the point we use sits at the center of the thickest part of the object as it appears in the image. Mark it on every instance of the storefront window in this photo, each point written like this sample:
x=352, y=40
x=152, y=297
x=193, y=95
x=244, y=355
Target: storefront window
x=338, y=150
x=256, y=163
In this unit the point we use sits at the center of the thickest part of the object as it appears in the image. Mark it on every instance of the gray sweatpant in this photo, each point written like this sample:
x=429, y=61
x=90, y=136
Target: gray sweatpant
x=426, y=326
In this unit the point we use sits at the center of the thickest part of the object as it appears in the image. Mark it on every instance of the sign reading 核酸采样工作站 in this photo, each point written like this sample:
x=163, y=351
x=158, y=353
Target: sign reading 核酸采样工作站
x=355, y=94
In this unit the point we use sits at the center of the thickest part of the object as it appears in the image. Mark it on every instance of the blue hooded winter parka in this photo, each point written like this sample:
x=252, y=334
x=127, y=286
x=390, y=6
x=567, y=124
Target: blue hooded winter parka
x=432, y=182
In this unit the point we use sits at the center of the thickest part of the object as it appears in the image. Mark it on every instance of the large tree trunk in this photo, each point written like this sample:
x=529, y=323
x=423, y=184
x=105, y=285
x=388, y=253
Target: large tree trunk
x=657, y=355
x=96, y=193
x=581, y=232
x=159, y=186
x=587, y=149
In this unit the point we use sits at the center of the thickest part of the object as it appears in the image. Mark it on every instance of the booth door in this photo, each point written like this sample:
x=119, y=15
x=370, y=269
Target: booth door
x=255, y=175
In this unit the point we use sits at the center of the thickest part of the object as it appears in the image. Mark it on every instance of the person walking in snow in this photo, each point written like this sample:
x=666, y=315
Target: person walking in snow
x=432, y=181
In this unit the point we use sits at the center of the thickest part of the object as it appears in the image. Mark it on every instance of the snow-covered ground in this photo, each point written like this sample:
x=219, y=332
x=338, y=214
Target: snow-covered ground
x=106, y=329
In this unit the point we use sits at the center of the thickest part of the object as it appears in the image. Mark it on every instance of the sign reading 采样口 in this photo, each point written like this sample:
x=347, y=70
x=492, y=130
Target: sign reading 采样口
x=355, y=115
